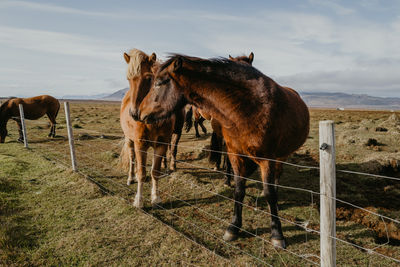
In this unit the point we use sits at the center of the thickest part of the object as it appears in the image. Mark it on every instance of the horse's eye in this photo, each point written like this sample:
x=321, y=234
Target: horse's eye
x=162, y=82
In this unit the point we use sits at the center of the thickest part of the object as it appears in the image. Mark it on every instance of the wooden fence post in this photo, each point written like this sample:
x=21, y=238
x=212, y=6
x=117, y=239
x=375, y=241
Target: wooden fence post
x=328, y=193
x=70, y=137
x=21, y=114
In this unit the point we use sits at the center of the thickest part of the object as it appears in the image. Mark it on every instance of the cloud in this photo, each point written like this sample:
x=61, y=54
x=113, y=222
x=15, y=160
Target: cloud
x=334, y=6
x=58, y=43
x=55, y=9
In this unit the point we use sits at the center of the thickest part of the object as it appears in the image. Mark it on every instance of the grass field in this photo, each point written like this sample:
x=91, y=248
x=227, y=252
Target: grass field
x=52, y=216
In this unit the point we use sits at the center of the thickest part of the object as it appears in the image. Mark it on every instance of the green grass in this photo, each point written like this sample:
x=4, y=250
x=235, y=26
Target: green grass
x=50, y=216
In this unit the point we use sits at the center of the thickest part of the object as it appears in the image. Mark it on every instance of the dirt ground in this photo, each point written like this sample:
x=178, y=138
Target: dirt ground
x=195, y=200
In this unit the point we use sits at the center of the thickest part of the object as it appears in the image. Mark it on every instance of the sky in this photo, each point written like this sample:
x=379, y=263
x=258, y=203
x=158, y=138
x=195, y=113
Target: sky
x=76, y=47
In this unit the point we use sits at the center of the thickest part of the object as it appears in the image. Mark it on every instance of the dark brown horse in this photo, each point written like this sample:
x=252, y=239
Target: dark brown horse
x=139, y=136
x=34, y=108
x=260, y=119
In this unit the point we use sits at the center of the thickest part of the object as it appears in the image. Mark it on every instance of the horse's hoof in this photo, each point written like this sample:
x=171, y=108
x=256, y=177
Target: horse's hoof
x=278, y=243
x=172, y=168
x=129, y=182
x=138, y=203
x=155, y=200
x=229, y=236
x=20, y=140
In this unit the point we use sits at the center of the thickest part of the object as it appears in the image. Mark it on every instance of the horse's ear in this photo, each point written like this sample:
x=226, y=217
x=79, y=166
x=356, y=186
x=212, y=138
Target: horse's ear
x=230, y=57
x=127, y=57
x=251, y=57
x=177, y=64
x=153, y=57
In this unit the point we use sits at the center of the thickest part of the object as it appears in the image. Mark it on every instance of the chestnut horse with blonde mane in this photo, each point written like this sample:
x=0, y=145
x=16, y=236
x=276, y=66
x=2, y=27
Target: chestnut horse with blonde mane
x=261, y=120
x=139, y=136
x=34, y=108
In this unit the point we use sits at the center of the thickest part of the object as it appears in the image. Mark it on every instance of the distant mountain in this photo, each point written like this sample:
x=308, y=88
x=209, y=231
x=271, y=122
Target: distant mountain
x=116, y=96
x=342, y=100
x=99, y=96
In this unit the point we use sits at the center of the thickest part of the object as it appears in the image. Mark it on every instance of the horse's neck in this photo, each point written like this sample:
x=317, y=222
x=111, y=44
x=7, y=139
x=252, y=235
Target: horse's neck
x=227, y=108
x=4, y=119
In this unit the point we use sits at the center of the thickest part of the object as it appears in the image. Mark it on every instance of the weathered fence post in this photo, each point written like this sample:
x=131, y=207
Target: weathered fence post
x=21, y=114
x=328, y=193
x=70, y=137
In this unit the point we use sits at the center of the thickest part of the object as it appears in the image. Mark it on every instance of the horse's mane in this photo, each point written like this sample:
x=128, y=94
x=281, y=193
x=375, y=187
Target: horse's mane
x=221, y=67
x=134, y=66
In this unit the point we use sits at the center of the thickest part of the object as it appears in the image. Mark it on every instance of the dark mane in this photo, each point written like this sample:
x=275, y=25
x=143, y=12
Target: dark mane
x=220, y=67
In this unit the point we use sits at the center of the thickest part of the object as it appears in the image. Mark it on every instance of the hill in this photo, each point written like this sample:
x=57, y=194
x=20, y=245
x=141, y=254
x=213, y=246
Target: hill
x=336, y=100
x=116, y=96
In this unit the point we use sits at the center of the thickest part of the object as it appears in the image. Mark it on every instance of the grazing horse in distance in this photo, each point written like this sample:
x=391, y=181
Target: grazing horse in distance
x=260, y=120
x=198, y=119
x=34, y=108
x=139, y=136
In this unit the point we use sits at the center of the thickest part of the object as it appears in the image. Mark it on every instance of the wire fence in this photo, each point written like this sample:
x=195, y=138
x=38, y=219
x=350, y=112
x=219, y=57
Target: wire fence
x=108, y=184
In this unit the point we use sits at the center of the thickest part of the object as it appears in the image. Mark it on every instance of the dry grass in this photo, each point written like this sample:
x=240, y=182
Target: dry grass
x=75, y=224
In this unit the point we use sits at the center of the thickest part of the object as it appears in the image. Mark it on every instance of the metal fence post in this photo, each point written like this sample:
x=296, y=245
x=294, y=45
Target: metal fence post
x=21, y=113
x=328, y=193
x=70, y=137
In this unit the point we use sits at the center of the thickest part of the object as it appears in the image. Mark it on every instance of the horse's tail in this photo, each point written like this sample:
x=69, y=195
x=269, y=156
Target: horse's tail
x=123, y=161
x=215, y=149
x=188, y=120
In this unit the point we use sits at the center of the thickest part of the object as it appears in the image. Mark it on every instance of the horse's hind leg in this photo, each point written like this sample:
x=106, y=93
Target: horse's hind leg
x=141, y=156
x=159, y=153
x=268, y=169
x=53, y=125
x=196, y=128
x=21, y=134
x=203, y=128
x=131, y=154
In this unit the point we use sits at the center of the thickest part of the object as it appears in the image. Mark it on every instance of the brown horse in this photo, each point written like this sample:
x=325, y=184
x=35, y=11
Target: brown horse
x=34, y=108
x=140, y=136
x=260, y=119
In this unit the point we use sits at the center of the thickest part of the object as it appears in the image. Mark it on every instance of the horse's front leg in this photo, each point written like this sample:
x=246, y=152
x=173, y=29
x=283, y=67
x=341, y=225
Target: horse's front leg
x=174, y=150
x=159, y=153
x=268, y=169
x=239, y=169
x=141, y=156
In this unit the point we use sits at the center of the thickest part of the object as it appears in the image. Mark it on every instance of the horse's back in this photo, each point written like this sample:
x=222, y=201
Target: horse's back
x=37, y=106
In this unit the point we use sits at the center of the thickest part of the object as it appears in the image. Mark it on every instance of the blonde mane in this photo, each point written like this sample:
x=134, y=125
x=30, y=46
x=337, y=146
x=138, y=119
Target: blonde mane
x=135, y=62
